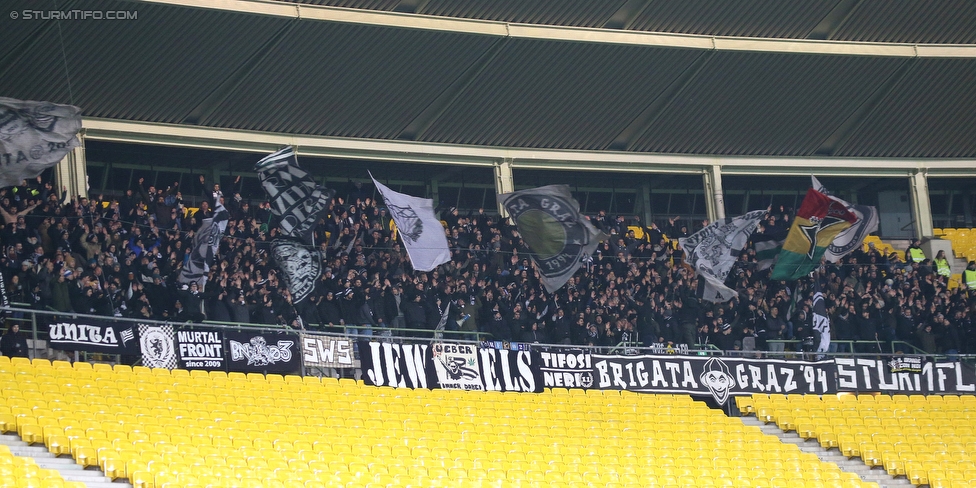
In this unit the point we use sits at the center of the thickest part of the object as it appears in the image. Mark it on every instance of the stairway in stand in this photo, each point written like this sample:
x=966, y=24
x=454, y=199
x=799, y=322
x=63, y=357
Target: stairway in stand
x=852, y=465
x=69, y=470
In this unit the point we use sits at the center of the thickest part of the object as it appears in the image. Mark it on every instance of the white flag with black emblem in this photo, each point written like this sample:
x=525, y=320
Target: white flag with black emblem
x=550, y=223
x=713, y=251
x=421, y=232
x=34, y=136
x=296, y=199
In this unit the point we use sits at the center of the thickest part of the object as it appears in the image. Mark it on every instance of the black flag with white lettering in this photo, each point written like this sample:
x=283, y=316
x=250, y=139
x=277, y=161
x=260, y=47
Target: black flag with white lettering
x=296, y=199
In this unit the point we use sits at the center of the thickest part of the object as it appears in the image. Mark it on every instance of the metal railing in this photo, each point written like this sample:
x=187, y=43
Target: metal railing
x=34, y=323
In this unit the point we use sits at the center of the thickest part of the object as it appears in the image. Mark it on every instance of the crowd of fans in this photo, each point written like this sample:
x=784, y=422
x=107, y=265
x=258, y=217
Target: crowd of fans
x=121, y=256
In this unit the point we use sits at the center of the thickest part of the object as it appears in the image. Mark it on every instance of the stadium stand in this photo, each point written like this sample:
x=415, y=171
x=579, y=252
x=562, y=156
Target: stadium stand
x=910, y=436
x=158, y=428
x=963, y=241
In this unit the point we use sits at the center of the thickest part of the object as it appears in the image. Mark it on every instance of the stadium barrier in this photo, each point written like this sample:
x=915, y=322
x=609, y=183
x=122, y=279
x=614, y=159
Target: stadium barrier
x=441, y=362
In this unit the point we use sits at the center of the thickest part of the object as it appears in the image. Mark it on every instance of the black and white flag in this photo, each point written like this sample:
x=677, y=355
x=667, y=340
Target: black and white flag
x=851, y=238
x=300, y=265
x=550, y=223
x=821, y=321
x=204, y=251
x=296, y=199
x=713, y=251
x=34, y=136
x=156, y=344
x=421, y=232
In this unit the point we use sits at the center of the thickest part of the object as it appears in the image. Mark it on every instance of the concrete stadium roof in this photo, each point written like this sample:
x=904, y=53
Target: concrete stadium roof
x=828, y=80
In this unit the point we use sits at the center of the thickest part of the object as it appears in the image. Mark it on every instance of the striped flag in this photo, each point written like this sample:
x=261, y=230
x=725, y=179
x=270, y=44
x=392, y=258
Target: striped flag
x=852, y=238
x=817, y=223
x=296, y=199
x=821, y=321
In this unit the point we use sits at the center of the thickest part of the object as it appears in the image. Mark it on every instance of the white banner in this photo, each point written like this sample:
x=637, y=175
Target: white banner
x=456, y=366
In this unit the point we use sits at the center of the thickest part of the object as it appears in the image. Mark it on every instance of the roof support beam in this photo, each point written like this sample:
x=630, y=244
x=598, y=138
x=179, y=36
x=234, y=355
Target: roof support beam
x=522, y=158
x=378, y=18
x=921, y=206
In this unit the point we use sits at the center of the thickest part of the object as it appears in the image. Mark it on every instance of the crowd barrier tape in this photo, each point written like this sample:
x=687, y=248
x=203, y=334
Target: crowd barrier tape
x=486, y=368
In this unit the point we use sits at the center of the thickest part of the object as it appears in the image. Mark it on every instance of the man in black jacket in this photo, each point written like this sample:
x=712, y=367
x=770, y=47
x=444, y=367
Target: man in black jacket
x=13, y=343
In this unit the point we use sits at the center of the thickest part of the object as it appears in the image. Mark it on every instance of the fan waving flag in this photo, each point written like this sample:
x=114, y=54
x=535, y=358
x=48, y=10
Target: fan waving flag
x=34, y=136
x=549, y=220
x=204, y=250
x=821, y=321
x=713, y=251
x=852, y=238
x=422, y=234
x=298, y=202
x=296, y=199
x=817, y=223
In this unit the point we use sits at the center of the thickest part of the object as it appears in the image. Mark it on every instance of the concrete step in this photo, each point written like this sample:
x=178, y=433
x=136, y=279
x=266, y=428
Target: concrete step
x=87, y=480
x=31, y=452
x=834, y=456
x=69, y=469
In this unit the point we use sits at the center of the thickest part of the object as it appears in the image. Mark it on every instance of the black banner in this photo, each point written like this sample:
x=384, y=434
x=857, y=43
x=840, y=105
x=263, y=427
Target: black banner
x=450, y=366
x=200, y=348
x=397, y=365
x=899, y=375
x=719, y=376
x=564, y=367
x=257, y=351
x=95, y=336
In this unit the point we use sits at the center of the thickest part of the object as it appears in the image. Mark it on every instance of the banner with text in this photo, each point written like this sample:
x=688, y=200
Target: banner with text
x=456, y=366
x=905, y=375
x=323, y=351
x=263, y=351
x=95, y=336
x=200, y=348
x=720, y=377
x=565, y=367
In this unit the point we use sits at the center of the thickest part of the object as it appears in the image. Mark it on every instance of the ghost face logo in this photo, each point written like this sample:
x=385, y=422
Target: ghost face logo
x=717, y=379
